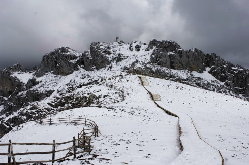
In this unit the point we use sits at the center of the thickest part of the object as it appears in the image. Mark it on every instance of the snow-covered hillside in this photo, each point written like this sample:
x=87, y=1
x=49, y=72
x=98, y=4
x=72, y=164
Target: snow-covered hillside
x=134, y=131
x=187, y=111
x=222, y=121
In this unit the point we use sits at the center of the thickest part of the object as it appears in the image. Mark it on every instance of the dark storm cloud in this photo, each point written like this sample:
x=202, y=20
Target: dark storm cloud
x=219, y=26
x=31, y=28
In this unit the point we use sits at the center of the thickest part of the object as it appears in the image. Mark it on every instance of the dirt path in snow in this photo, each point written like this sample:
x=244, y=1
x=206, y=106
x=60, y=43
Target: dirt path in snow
x=222, y=158
x=156, y=97
x=144, y=83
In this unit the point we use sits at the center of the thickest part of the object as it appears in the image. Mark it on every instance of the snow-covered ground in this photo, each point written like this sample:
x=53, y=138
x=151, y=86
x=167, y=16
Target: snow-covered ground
x=222, y=121
x=205, y=75
x=190, y=139
x=134, y=131
x=23, y=76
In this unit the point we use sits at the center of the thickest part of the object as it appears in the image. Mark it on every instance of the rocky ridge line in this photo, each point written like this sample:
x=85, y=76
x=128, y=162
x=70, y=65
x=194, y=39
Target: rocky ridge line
x=162, y=59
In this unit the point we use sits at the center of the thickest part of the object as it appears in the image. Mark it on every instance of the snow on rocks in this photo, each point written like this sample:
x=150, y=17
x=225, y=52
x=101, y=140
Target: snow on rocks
x=98, y=78
x=24, y=77
x=205, y=75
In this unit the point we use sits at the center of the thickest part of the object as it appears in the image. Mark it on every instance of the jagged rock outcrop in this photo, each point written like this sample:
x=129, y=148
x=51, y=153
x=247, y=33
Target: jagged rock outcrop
x=16, y=102
x=31, y=82
x=234, y=76
x=4, y=129
x=99, y=55
x=16, y=68
x=61, y=61
x=73, y=101
x=158, y=59
x=170, y=55
x=167, y=46
x=8, y=84
x=85, y=61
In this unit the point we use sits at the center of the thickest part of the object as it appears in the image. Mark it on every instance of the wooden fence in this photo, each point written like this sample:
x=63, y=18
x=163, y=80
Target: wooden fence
x=80, y=145
x=61, y=120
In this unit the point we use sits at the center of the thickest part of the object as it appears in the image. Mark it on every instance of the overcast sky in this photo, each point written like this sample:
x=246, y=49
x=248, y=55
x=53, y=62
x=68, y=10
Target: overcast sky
x=31, y=28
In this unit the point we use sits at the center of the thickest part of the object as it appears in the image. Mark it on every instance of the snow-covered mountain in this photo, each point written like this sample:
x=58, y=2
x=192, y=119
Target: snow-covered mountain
x=203, y=91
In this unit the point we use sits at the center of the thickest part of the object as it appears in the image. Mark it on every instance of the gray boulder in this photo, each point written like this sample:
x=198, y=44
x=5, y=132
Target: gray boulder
x=96, y=58
x=4, y=128
x=234, y=76
x=85, y=61
x=161, y=58
x=169, y=54
x=16, y=68
x=61, y=61
x=8, y=84
x=167, y=46
x=99, y=55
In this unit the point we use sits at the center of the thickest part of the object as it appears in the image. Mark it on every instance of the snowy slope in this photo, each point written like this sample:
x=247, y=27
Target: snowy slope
x=221, y=120
x=134, y=131
x=24, y=77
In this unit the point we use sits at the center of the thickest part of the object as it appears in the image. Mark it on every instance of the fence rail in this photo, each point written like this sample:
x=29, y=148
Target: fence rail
x=82, y=143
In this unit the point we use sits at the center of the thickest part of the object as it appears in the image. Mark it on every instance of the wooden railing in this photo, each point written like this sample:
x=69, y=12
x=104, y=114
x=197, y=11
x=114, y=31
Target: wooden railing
x=61, y=120
x=80, y=145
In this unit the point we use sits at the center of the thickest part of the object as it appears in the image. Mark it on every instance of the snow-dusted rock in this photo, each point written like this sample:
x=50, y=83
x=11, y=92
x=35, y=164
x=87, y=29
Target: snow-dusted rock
x=61, y=61
x=68, y=79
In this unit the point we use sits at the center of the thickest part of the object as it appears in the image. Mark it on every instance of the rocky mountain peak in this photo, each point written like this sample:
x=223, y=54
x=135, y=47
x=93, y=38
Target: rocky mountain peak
x=16, y=68
x=61, y=61
x=170, y=55
x=72, y=75
x=64, y=51
x=165, y=45
x=8, y=84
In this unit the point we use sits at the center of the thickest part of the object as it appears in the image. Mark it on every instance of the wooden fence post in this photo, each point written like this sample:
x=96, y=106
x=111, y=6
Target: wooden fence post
x=89, y=145
x=53, y=152
x=74, y=148
x=96, y=131
x=12, y=154
x=9, y=153
x=78, y=139
x=84, y=142
x=84, y=138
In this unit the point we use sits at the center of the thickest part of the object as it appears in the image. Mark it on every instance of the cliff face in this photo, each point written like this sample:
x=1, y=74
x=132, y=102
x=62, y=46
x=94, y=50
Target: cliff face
x=170, y=55
x=8, y=84
x=68, y=79
x=167, y=54
x=60, y=62
x=234, y=77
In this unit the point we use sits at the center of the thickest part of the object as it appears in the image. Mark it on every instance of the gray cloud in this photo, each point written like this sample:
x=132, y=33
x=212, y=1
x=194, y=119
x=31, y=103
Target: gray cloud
x=217, y=26
x=31, y=28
